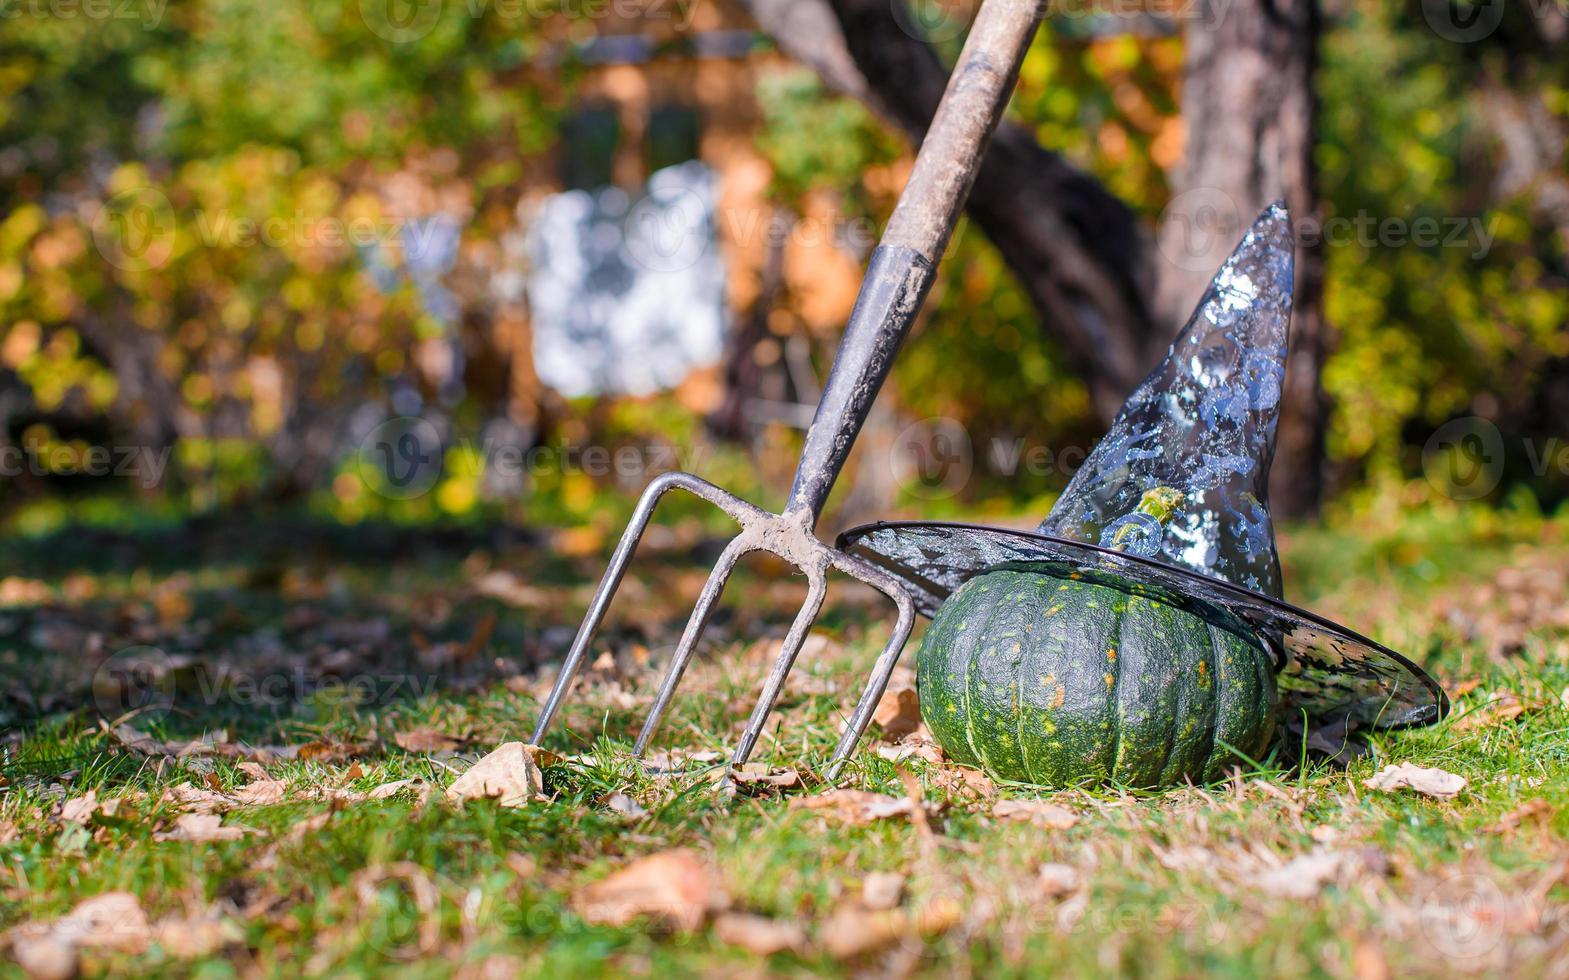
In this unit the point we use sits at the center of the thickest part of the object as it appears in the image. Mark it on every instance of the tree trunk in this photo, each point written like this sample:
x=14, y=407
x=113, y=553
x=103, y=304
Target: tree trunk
x=1249, y=106
x=1076, y=249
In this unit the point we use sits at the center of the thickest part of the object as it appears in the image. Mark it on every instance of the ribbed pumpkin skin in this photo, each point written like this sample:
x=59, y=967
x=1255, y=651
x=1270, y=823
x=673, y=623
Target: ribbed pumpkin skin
x=1048, y=679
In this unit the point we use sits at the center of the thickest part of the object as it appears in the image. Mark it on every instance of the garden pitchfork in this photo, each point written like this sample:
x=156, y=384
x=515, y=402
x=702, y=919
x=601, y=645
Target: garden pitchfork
x=897, y=280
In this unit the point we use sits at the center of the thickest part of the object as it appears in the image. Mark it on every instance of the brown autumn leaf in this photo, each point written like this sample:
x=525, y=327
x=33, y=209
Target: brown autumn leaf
x=760, y=775
x=676, y=887
x=855, y=931
x=1531, y=811
x=1038, y=812
x=509, y=775
x=1304, y=876
x=426, y=741
x=202, y=828
x=1056, y=880
x=327, y=752
x=192, y=938
x=625, y=806
x=882, y=890
x=262, y=792
x=898, y=713
x=80, y=809
x=113, y=920
x=856, y=806
x=418, y=786
x=197, y=800
x=1502, y=707
x=1436, y=783
x=759, y=935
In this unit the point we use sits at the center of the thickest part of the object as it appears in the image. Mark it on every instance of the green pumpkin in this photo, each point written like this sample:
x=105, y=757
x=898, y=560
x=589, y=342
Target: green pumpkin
x=1044, y=677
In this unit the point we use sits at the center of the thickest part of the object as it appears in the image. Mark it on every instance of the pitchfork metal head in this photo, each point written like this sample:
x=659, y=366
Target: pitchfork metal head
x=788, y=536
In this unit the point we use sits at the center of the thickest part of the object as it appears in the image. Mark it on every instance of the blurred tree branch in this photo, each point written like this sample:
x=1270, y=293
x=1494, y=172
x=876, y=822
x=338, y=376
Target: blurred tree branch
x=1076, y=248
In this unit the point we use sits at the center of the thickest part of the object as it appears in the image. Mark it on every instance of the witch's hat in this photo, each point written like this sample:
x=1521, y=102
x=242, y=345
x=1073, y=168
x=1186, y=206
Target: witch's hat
x=1175, y=496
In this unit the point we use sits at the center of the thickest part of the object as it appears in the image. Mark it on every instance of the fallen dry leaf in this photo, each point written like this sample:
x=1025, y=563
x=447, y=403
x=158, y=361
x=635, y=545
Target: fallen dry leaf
x=1304, y=876
x=196, y=799
x=856, y=805
x=192, y=938
x=1503, y=706
x=853, y=931
x=263, y=792
x=309, y=825
x=80, y=809
x=113, y=920
x=898, y=713
x=758, y=774
x=676, y=887
x=509, y=775
x=625, y=806
x=882, y=890
x=1056, y=880
x=1531, y=811
x=426, y=741
x=1038, y=812
x=418, y=786
x=201, y=828
x=758, y=935
x=1436, y=783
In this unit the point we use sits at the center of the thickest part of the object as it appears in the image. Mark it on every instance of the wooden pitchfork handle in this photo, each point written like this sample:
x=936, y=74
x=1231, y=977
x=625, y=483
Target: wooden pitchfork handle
x=904, y=264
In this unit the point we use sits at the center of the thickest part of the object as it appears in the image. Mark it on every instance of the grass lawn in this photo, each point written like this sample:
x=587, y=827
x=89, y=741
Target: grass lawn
x=243, y=736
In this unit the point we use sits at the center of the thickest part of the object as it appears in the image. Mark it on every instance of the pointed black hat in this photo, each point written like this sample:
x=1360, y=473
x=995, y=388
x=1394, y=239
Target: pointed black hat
x=1175, y=498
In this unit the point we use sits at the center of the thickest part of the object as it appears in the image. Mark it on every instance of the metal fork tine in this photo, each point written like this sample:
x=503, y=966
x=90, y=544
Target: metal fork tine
x=856, y=727
x=602, y=596
x=712, y=590
x=781, y=669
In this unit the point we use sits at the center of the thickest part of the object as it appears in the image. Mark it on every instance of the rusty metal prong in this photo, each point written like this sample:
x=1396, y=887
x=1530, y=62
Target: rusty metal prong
x=606, y=591
x=794, y=639
x=881, y=671
x=740, y=545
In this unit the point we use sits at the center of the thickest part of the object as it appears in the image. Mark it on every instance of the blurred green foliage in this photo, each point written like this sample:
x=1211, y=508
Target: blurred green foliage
x=203, y=203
